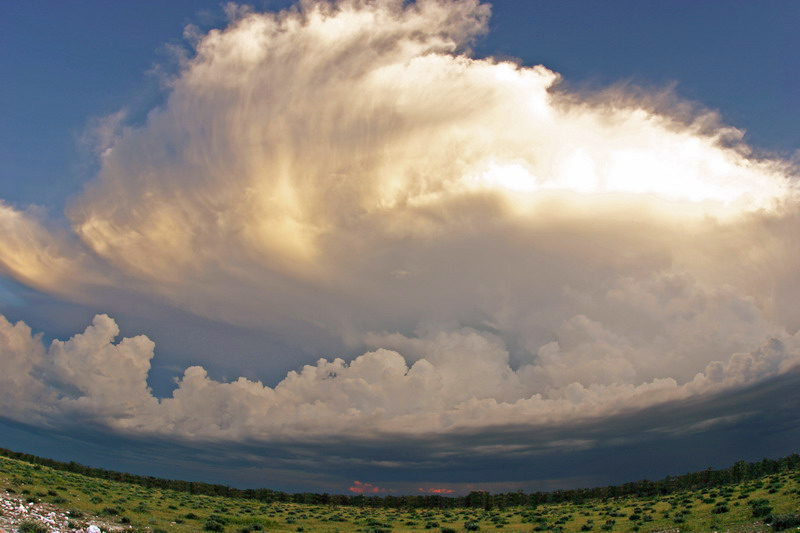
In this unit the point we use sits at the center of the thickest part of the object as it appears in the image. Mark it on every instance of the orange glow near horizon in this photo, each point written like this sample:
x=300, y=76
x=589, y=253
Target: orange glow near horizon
x=432, y=490
x=366, y=488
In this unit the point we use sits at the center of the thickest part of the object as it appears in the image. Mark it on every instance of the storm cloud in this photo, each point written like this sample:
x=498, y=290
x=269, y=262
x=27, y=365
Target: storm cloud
x=500, y=251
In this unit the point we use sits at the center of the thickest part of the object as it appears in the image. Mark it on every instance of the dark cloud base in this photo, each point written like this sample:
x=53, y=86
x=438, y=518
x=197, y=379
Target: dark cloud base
x=751, y=423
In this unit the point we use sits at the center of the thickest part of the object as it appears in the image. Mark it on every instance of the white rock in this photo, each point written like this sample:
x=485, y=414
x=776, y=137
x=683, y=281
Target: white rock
x=93, y=529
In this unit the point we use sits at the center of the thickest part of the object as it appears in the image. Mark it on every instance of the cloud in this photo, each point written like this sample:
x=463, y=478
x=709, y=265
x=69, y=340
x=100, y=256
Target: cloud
x=460, y=380
x=431, y=490
x=497, y=250
x=366, y=488
x=30, y=252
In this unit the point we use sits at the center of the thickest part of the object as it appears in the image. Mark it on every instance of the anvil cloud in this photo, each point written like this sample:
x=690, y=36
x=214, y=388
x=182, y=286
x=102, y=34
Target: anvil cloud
x=503, y=252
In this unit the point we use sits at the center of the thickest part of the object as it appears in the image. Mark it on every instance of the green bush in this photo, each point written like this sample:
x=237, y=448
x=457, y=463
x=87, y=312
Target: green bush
x=761, y=507
x=213, y=525
x=30, y=526
x=251, y=527
x=784, y=521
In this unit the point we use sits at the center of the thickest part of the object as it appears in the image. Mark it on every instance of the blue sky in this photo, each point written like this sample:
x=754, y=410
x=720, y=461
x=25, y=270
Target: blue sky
x=400, y=245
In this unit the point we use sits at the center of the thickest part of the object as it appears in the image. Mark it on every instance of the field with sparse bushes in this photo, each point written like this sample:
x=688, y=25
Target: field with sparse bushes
x=769, y=503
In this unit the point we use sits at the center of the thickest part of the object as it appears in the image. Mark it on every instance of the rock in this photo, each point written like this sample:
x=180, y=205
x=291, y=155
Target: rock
x=92, y=529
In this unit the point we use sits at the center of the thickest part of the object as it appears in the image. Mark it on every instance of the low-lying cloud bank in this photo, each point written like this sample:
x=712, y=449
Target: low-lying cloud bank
x=458, y=380
x=501, y=251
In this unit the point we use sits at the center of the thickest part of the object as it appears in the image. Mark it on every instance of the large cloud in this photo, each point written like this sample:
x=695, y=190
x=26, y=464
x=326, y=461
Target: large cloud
x=509, y=252
x=457, y=380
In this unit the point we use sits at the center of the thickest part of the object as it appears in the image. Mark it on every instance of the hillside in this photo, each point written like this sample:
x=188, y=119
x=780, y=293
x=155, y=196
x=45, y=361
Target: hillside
x=68, y=501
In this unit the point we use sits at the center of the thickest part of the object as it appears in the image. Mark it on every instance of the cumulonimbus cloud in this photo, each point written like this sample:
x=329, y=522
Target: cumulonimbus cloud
x=460, y=380
x=502, y=250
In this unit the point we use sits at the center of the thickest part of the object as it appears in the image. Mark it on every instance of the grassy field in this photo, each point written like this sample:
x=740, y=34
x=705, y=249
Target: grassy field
x=735, y=508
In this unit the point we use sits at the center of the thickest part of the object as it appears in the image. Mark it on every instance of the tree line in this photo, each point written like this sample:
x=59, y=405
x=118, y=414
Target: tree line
x=739, y=472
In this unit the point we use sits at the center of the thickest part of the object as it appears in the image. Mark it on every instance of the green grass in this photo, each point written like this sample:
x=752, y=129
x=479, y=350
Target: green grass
x=738, y=507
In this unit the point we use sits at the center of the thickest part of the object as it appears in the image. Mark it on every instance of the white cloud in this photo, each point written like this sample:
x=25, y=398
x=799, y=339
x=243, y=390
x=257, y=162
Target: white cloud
x=94, y=374
x=458, y=379
x=509, y=252
x=22, y=353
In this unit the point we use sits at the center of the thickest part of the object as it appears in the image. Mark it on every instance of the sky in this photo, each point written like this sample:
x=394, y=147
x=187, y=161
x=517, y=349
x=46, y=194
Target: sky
x=400, y=247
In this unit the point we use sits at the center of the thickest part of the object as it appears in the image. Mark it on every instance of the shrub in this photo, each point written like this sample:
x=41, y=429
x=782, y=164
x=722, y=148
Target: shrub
x=30, y=526
x=761, y=507
x=471, y=526
x=213, y=525
x=252, y=527
x=784, y=521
